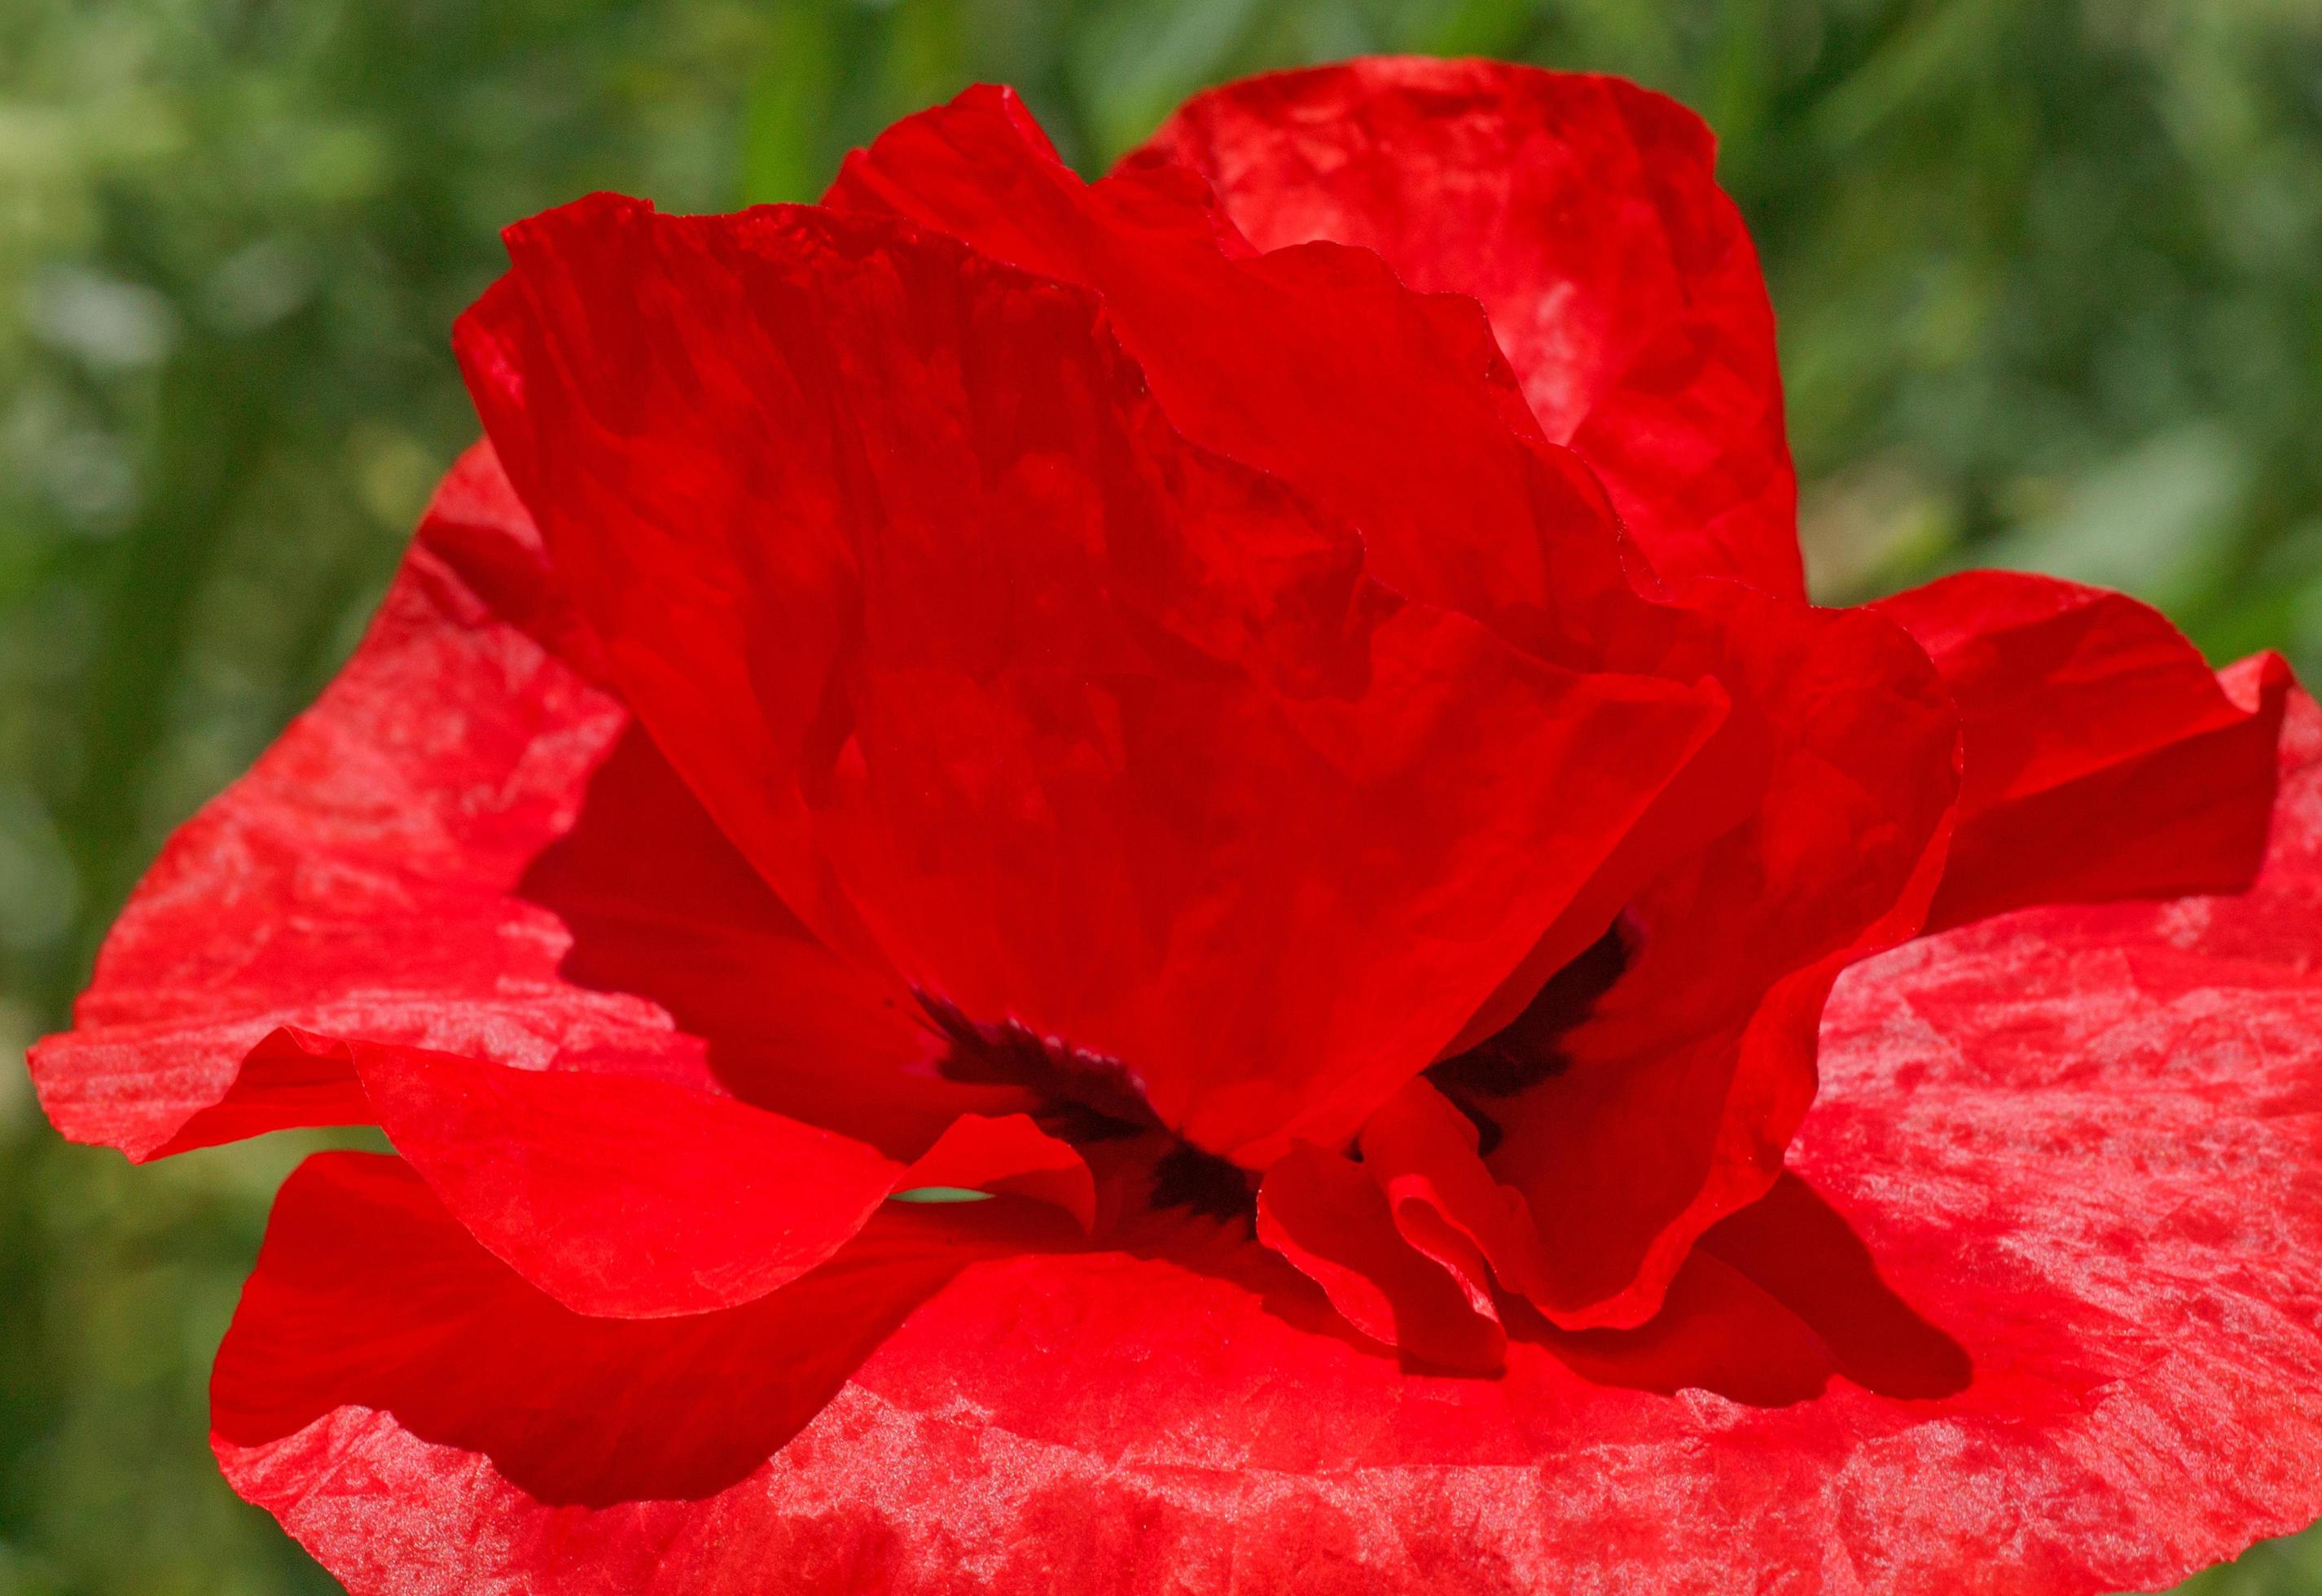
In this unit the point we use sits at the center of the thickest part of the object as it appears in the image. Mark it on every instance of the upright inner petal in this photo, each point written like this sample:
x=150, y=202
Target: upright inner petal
x=1075, y=725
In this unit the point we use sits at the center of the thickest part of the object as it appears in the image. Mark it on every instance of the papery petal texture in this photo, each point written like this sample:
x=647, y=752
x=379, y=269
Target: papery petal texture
x=466, y=847
x=2038, y=1309
x=1583, y=212
x=1159, y=885
x=631, y=1198
x=1666, y=1102
x=2103, y=759
x=1413, y=434
x=465, y=900
x=999, y=680
x=1452, y=496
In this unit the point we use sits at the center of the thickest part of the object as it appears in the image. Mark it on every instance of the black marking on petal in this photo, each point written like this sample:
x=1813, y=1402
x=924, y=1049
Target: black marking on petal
x=1488, y=1133
x=1188, y=1178
x=1080, y=1124
x=1530, y=1050
x=1095, y=1094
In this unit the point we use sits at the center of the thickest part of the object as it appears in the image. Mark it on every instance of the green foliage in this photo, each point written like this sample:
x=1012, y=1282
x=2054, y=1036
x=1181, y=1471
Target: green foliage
x=2046, y=269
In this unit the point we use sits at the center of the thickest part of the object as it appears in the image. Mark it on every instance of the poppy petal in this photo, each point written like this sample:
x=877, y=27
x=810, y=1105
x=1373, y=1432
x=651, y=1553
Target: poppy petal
x=1325, y=1214
x=1423, y=1153
x=1635, y=1114
x=2037, y=1312
x=589, y=1412
x=620, y=1196
x=1073, y=724
x=625, y=1196
x=465, y=846
x=2100, y=757
x=1583, y=212
x=1414, y=433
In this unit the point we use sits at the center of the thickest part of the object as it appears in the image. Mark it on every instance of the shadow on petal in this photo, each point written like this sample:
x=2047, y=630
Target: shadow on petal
x=661, y=906
x=367, y=1295
x=1773, y=1301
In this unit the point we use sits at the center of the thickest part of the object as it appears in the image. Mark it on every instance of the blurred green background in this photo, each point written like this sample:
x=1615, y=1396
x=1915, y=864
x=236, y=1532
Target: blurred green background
x=2047, y=271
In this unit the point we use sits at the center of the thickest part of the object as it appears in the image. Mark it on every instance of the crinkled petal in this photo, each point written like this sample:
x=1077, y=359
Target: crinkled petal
x=465, y=846
x=1633, y=1117
x=1250, y=356
x=1325, y=1214
x=1414, y=432
x=2100, y=757
x=1583, y=212
x=990, y=672
x=1648, y=1087
x=627, y=1197
x=631, y=1198
x=1423, y=1153
x=587, y=1412
x=2040, y=1311
x=619, y=1196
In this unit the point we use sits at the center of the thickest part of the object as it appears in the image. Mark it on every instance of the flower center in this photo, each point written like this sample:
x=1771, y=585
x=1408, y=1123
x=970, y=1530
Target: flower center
x=1086, y=1097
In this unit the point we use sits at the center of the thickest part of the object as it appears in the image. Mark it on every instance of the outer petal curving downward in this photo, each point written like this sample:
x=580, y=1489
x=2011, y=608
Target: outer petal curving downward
x=464, y=899
x=1583, y=212
x=2039, y=1312
x=465, y=846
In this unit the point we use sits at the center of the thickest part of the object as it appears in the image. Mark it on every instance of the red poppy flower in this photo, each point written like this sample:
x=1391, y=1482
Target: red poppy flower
x=1260, y=713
